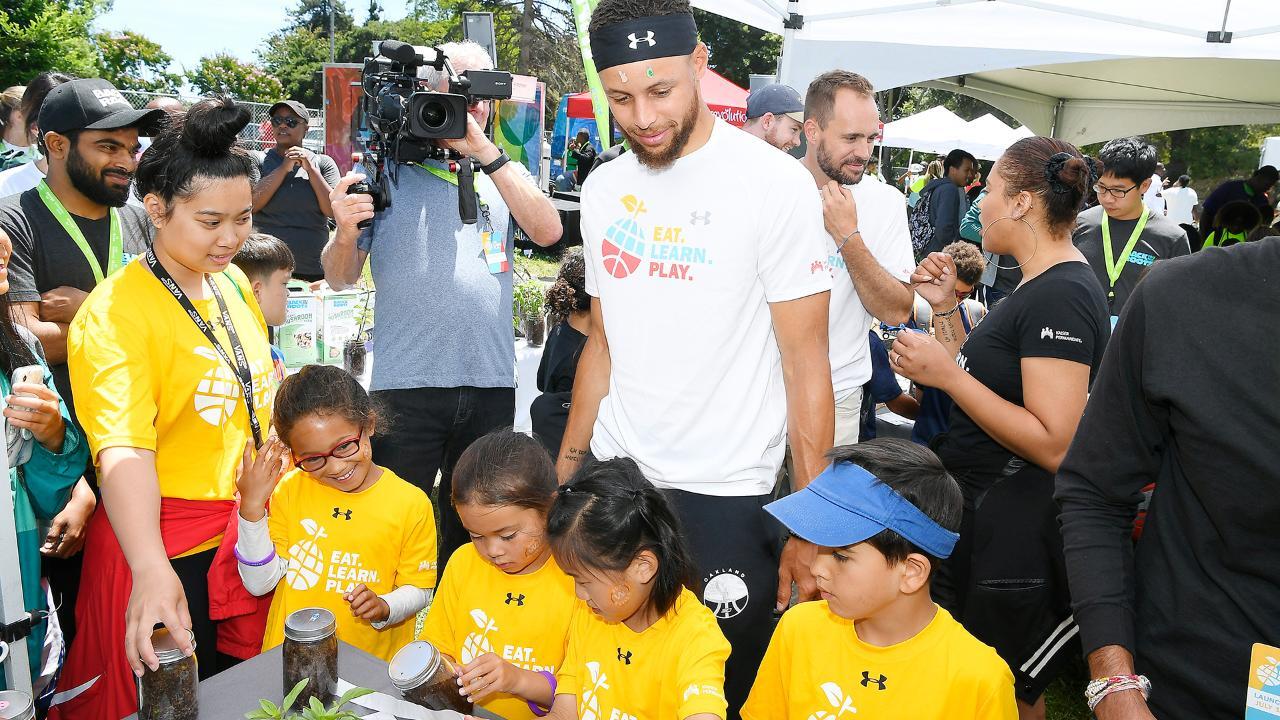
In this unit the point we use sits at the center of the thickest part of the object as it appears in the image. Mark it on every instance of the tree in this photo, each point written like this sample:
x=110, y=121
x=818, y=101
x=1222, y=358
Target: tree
x=375, y=11
x=40, y=35
x=314, y=15
x=738, y=50
x=225, y=75
x=132, y=62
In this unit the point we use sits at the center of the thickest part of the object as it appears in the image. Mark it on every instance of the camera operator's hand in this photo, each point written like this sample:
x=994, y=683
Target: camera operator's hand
x=475, y=145
x=350, y=209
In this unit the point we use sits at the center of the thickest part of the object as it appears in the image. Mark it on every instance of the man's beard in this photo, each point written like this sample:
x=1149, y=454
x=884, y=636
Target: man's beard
x=94, y=187
x=663, y=159
x=829, y=167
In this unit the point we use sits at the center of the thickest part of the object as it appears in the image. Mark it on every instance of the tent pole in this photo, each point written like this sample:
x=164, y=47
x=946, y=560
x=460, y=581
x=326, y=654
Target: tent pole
x=1057, y=115
x=1225, y=12
x=788, y=41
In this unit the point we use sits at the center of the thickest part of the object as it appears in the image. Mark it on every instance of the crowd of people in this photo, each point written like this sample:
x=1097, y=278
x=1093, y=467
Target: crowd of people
x=704, y=524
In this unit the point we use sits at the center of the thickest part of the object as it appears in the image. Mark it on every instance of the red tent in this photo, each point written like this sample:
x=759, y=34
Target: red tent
x=723, y=97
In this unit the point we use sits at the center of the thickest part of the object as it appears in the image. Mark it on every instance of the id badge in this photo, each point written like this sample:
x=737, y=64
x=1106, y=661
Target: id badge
x=495, y=251
x=1262, y=699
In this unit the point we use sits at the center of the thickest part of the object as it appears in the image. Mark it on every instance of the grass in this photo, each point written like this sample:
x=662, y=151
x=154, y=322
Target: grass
x=1064, y=700
x=540, y=265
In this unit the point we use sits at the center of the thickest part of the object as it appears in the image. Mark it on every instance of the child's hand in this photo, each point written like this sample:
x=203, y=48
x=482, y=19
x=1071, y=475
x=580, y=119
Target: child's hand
x=486, y=675
x=366, y=604
x=259, y=476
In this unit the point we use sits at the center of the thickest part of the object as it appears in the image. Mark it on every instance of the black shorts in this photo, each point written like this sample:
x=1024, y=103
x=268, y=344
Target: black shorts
x=1006, y=580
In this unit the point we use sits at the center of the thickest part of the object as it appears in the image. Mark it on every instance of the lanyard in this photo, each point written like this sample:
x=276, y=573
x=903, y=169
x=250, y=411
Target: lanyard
x=1114, y=267
x=452, y=179
x=241, y=367
x=115, y=251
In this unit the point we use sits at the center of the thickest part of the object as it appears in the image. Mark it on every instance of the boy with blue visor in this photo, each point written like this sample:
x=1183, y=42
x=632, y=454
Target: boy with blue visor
x=876, y=644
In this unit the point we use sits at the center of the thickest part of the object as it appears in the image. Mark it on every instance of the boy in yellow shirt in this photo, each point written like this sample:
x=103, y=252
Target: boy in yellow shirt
x=876, y=644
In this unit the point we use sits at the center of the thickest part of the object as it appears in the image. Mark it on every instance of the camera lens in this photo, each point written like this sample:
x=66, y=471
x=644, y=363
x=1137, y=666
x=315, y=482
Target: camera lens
x=433, y=114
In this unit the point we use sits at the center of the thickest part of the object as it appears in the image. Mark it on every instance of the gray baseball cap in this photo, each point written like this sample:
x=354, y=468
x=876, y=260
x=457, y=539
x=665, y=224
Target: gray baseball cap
x=778, y=99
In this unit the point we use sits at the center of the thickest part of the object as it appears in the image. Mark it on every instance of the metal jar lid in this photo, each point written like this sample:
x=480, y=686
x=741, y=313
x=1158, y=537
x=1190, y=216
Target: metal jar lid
x=16, y=705
x=167, y=650
x=413, y=665
x=310, y=625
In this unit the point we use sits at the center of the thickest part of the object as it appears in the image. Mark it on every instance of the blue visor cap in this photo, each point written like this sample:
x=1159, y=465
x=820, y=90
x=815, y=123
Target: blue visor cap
x=846, y=505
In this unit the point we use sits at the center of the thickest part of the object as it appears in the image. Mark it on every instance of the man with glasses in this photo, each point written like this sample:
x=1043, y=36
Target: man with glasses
x=291, y=201
x=445, y=364
x=1122, y=237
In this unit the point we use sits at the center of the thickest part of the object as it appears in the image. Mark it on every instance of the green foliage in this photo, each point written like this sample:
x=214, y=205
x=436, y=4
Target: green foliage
x=314, y=15
x=738, y=50
x=133, y=62
x=315, y=709
x=530, y=296
x=223, y=74
x=41, y=35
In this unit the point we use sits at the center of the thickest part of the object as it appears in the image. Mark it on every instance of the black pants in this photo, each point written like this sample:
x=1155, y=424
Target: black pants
x=193, y=572
x=736, y=546
x=430, y=427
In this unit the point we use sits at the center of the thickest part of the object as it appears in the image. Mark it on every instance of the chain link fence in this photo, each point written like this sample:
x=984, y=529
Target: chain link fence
x=257, y=135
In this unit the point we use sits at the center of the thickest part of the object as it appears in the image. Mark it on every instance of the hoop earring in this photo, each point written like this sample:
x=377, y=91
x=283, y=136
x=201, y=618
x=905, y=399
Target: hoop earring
x=1035, y=248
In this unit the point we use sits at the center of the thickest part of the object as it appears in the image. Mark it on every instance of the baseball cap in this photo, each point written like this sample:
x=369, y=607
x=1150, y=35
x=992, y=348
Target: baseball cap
x=778, y=99
x=846, y=505
x=916, y=168
x=298, y=109
x=93, y=104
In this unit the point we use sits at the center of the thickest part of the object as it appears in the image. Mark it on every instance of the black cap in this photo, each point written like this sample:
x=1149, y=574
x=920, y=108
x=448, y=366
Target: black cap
x=298, y=109
x=93, y=104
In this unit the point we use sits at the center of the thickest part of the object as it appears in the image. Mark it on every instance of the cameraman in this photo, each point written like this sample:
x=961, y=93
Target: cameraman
x=445, y=365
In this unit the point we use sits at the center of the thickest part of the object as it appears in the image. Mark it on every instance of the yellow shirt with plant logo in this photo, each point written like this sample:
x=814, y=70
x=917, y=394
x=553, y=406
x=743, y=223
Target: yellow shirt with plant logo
x=816, y=667
x=383, y=536
x=523, y=619
x=672, y=670
x=144, y=376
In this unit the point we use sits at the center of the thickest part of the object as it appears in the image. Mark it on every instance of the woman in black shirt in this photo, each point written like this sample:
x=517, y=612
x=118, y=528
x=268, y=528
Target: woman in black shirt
x=570, y=310
x=1019, y=381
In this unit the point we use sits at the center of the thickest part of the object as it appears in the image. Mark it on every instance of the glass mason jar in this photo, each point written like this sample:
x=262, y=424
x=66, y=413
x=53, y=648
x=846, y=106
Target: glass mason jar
x=428, y=677
x=171, y=691
x=311, y=651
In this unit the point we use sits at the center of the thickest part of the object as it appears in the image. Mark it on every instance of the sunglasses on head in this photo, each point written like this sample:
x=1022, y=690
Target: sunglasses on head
x=290, y=122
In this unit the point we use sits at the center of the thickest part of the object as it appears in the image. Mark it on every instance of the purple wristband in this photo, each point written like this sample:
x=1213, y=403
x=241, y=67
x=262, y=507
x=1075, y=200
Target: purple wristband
x=260, y=563
x=533, y=706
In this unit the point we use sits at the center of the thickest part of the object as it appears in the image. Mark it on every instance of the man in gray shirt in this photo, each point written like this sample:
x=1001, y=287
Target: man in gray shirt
x=445, y=364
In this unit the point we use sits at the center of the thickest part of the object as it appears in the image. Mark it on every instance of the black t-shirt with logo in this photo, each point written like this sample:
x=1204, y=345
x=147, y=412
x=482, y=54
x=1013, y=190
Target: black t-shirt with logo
x=45, y=257
x=1061, y=313
x=1161, y=239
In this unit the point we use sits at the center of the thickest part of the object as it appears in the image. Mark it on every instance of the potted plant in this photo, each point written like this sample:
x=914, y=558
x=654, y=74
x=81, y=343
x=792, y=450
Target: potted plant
x=314, y=711
x=530, y=297
x=356, y=348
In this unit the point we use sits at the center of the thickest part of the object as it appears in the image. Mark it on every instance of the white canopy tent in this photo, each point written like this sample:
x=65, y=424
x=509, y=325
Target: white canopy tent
x=938, y=130
x=1082, y=70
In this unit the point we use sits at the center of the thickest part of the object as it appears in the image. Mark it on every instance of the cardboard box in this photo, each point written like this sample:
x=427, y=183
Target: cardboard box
x=338, y=323
x=298, y=338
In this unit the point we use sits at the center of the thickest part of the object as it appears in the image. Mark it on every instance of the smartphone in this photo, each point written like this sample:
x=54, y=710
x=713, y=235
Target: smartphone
x=33, y=374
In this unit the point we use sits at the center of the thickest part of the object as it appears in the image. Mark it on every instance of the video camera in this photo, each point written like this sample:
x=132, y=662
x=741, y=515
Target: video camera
x=406, y=117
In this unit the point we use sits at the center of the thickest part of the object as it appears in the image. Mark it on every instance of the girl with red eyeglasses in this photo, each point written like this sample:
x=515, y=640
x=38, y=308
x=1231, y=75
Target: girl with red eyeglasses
x=336, y=531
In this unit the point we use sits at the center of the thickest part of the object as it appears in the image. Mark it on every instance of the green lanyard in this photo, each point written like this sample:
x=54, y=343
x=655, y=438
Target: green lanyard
x=115, y=251
x=1113, y=266
x=442, y=174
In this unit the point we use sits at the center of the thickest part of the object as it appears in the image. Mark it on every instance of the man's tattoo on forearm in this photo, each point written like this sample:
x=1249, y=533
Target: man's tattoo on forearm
x=573, y=454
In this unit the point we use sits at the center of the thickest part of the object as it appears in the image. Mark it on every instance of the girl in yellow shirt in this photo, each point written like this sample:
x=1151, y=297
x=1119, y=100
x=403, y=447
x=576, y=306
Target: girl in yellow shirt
x=643, y=646
x=503, y=606
x=343, y=533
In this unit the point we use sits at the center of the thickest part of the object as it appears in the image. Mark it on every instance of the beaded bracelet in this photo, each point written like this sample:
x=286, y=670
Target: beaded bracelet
x=1100, y=688
x=950, y=312
x=534, y=706
x=240, y=558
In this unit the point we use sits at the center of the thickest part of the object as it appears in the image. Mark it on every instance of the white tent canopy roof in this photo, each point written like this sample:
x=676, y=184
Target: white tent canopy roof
x=1083, y=70
x=939, y=130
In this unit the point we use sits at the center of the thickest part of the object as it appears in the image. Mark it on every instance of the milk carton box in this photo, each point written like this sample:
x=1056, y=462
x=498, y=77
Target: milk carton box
x=299, y=336
x=338, y=323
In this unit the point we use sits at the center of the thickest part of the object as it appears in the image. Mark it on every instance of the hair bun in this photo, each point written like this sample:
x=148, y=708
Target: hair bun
x=211, y=126
x=1066, y=172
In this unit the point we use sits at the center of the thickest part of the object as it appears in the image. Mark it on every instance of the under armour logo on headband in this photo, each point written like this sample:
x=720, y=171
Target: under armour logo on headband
x=648, y=38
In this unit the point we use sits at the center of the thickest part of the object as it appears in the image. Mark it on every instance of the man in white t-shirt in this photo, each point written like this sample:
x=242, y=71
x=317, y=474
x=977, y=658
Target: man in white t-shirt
x=1154, y=196
x=868, y=244
x=1180, y=200
x=706, y=265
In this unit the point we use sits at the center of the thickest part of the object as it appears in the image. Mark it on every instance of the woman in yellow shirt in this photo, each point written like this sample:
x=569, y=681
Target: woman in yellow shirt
x=503, y=606
x=171, y=372
x=644, y=646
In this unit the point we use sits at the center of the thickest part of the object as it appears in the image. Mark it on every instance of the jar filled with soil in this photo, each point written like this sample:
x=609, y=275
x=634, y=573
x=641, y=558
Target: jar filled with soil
x=16, y=705
x=428, y=677
x=353, y=356
x=170, y=692
x=311, y=651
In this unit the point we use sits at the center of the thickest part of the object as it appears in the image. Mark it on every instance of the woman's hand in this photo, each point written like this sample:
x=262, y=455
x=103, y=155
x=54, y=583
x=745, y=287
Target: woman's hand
x=66, y=533
x=300, y=157
x=157, y=596
x=260, y=475
x=366, y=605
x=489, y=674
x=40, y=414
x=923, y=359
x=935, y=280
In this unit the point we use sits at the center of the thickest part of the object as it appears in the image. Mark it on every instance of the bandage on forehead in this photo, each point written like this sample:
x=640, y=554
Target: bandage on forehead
x=644, y=38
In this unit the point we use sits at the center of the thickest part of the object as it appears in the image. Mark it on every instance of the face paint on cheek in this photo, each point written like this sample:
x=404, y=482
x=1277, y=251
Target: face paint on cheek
x=619, y=594
x=534, y=548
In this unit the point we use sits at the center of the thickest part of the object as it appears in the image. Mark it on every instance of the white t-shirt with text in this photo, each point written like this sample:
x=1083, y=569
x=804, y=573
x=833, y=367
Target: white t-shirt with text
x=685, y=262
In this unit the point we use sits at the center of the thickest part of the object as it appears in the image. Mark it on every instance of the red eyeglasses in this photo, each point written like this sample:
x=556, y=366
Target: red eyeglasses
x=344, y=449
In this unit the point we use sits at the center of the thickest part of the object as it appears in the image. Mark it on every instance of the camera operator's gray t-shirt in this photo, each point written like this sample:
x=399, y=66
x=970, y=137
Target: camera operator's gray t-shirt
x=441, y=318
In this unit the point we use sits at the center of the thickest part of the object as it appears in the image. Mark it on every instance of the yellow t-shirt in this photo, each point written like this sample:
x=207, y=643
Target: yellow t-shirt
x=383, y=536
x=523, y=619
x=816, y=667
x=144, y=376
x=671, y=671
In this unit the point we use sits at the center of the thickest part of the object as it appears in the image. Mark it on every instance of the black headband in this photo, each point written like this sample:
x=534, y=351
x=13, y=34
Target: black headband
x=644, y=38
